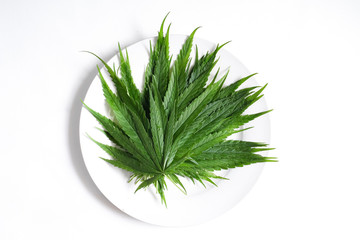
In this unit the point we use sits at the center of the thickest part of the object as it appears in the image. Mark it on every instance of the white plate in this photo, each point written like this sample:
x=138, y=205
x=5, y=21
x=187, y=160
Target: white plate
x=200, y=204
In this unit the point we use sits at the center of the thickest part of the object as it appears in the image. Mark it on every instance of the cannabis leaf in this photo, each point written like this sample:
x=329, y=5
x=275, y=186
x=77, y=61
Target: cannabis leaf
x=179, y=124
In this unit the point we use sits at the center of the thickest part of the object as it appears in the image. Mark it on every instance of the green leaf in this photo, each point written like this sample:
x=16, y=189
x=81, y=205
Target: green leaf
x=148, y=182
x=229, y=90
x=121, y=113
x=238, y=120
x=162, y=65
x=157, y=121
x=179, y=71
x=124, y=160
x=127, y=78
x=196, y=106
x=170, y=97
x=169, y=151
x=211, y=140
x=158, y=66
x=117, y=135
x=197, y=79
x=122, y=94
x=174, y=179
x=178, y=125
x=146, y=141
x=149, y=72
x=219, y=161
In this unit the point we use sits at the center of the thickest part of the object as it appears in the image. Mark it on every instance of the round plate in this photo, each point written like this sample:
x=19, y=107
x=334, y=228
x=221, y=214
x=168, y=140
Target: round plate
x=200, y=204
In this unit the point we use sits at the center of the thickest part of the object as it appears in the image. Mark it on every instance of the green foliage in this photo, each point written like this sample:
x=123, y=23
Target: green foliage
x=178, y=125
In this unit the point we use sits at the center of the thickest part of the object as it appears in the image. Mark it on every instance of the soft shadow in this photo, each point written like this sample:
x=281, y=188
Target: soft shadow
x=74, y=141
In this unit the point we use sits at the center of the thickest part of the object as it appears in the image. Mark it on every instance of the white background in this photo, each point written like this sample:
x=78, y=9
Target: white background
x=308, y=52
